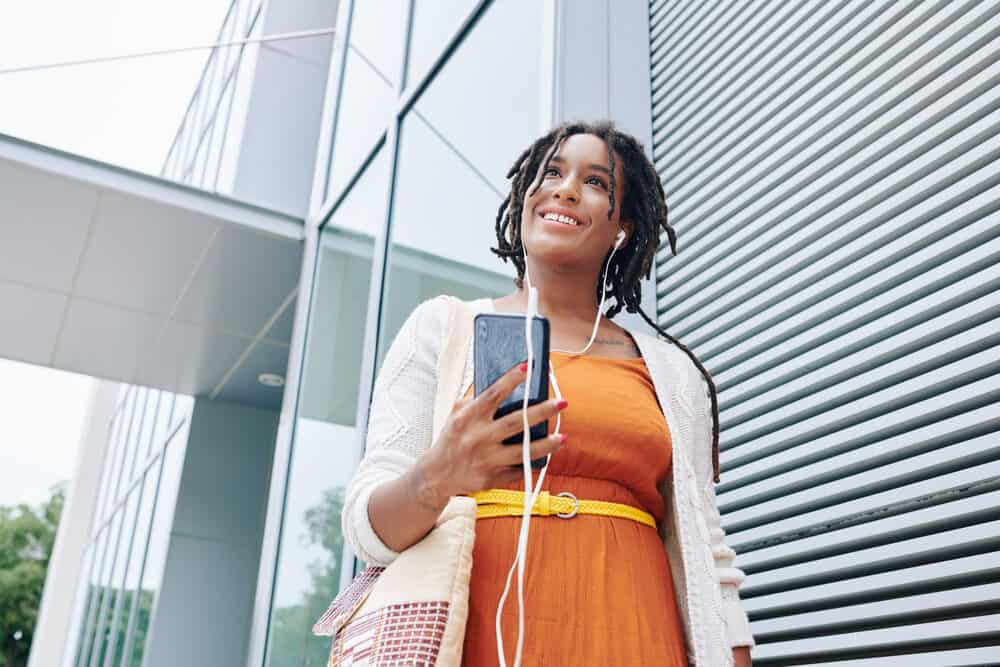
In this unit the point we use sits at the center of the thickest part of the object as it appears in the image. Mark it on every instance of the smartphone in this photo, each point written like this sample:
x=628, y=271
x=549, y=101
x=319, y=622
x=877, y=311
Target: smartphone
x=498, y=346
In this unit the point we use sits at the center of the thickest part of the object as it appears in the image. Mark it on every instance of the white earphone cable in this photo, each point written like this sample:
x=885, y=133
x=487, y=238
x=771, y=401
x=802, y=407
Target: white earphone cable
x=530, y=495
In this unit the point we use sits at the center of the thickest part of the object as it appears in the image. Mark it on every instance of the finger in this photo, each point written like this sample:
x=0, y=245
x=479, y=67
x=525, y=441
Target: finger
x=495, y=394
x=513, y=423
x=538, y=449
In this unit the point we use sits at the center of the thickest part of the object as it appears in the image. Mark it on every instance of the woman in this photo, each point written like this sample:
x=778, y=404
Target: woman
x=599, y=589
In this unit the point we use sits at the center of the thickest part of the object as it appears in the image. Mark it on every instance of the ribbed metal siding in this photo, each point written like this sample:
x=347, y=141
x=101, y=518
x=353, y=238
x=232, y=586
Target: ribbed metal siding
x=831, y=168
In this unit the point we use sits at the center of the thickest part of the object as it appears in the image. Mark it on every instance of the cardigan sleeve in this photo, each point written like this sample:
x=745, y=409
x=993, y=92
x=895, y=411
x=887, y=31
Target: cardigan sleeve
x=399, y=423
x=730, y=577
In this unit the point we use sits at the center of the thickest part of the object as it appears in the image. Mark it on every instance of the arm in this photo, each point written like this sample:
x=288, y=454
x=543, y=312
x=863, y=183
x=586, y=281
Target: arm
x=399, y=431
x=404, y=482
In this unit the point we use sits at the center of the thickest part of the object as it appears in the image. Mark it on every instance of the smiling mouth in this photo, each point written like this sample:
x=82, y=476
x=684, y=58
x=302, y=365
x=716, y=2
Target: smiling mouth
x=561, y=219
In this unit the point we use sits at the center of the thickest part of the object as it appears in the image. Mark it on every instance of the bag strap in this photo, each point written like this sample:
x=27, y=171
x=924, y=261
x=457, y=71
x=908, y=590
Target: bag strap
x=451, y=361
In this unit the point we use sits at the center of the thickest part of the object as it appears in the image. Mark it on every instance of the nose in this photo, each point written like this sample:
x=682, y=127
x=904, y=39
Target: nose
x=566, y=190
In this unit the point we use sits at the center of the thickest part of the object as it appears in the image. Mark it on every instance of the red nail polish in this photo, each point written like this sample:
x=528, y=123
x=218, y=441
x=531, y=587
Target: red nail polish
x=562, y=439
x=523, y=367
x=562, y=404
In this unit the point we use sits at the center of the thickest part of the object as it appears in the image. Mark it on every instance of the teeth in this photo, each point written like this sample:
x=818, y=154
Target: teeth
x=565, y=219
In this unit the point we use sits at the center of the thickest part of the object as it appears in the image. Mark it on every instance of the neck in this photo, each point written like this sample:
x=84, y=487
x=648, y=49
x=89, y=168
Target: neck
x=560, y=293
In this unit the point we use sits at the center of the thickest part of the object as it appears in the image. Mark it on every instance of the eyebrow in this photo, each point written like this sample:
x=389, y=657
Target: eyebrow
x=596, y=167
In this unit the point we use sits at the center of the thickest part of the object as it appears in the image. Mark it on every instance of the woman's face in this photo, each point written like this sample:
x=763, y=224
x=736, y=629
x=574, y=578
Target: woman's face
x=566, y=221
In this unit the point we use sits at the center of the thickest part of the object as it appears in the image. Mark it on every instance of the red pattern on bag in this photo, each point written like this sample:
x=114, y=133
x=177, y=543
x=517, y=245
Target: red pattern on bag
x=403, y=634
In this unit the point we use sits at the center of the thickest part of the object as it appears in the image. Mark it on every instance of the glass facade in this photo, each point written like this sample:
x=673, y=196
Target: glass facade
x=206, y=147
x=412, y=189
x=125, y=556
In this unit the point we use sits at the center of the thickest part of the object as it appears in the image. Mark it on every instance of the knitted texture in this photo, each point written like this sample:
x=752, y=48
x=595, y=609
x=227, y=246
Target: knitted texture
x=400, y=427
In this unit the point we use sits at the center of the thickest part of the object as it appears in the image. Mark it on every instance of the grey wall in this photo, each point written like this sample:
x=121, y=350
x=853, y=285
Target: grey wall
x=602, y=71
x=203, y=615
x=282, y=125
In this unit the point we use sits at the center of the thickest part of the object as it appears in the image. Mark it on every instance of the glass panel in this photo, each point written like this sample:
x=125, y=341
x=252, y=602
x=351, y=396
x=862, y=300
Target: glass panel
x=117, y=454
x=236, y=115
x=322, y=460
x=131, y=612
x=469, y=102
x=159, y=540
x=110, y=454
x=368, y=94
x=441, y=241
x=92, y=599
x=218, y=134
x=440, y=245
x=110, y=625
x=146, y=432
x=162, y=421
x=132, y=446
x=434, y=22
x=102, y=596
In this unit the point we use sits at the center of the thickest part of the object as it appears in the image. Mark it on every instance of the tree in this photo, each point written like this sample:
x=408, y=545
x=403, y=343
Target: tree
x=26, y=539
x=292, y=641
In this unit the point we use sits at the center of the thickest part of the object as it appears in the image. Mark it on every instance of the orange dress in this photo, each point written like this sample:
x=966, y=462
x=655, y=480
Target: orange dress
x=597, y=590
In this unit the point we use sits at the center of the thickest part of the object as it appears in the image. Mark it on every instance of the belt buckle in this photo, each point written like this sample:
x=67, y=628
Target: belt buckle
x=576, y=505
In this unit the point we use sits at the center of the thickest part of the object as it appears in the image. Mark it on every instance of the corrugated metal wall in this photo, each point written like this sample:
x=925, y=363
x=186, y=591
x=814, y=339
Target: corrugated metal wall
x=831, y=169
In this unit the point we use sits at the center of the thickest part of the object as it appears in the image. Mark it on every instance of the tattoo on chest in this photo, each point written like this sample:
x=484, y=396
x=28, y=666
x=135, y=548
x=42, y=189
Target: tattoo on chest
x=609, y=341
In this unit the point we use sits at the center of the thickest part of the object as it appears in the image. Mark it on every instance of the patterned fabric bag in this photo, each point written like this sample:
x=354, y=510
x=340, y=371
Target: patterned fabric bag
x=413, y=611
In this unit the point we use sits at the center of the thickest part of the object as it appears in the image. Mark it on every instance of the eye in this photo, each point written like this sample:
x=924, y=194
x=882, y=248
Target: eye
x=553, y=170
x=598, y=180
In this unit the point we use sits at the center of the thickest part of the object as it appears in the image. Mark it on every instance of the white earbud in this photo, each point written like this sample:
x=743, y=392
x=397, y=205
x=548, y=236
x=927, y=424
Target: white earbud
x=619, y=239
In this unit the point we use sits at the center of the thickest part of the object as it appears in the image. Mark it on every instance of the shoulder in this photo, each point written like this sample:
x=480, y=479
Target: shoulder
x=430, y=319
x=673, y=359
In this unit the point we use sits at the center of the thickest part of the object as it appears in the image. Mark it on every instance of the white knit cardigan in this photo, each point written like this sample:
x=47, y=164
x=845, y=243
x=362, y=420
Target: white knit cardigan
x=400, y=429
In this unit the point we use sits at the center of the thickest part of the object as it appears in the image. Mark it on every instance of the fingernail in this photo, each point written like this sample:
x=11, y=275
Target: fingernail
x=523, y=367
x=562, y=439
x=562, y=404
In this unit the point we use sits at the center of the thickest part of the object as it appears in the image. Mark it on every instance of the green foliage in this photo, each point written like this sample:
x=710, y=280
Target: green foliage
x=292, y=642
x=26, y=538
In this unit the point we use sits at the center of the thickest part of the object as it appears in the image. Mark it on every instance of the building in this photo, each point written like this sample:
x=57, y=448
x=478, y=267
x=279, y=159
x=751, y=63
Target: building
x=831, y=170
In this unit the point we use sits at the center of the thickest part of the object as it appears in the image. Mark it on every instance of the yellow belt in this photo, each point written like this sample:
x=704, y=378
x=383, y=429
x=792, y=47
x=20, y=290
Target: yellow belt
x=507, y=502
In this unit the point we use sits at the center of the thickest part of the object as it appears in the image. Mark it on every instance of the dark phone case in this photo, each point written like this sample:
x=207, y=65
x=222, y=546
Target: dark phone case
x=498, y=346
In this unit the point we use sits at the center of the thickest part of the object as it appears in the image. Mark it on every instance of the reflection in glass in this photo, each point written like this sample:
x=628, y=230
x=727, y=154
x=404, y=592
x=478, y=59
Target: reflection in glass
x=322, y=460
x=132, y=444
x=98, y=607
x=125, y=639
x=92, y=597
x=159, y=538
x=485, y=102
x=110, y=622
x=236, y=113
x=434, y=23
x=368, y=93
x=436, y=190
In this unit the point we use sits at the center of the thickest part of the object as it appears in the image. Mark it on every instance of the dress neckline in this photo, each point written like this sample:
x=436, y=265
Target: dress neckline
x=491, y=308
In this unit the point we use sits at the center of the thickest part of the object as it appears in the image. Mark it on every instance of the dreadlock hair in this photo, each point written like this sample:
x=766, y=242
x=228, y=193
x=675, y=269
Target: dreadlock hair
x=644, y=204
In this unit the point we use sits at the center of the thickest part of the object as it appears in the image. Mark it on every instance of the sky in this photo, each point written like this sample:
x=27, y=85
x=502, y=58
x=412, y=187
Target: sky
x=125, y=113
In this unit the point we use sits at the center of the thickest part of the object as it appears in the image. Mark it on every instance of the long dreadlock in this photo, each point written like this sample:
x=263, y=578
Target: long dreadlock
x=644, y=204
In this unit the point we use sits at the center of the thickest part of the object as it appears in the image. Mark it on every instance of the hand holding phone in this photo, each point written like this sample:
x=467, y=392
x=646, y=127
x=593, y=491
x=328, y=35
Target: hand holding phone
x=469, y=454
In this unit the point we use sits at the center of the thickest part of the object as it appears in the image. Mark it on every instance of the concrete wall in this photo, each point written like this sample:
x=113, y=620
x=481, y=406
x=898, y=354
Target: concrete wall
x=203, y=615
x=55, y=614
